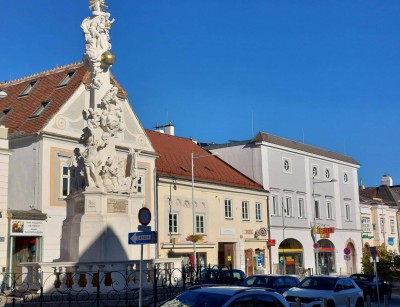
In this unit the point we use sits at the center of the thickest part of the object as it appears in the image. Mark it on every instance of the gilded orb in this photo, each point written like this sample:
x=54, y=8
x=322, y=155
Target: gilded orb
x=108, y=58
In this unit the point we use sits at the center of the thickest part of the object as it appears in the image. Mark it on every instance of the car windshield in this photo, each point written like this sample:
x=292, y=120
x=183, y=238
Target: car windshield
x=198, y=299
x=318, y=283
x=363, y=277
x=259, y=280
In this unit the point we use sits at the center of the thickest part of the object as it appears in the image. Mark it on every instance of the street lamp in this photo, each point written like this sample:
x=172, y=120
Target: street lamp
x=382, y=221
x=193, y=157
x=314, y=182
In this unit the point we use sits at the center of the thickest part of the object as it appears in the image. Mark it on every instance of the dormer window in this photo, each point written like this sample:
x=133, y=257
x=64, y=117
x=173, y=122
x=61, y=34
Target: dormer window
x=67, y=78
x=29, y=88
x=40, y=110
x=4, y=114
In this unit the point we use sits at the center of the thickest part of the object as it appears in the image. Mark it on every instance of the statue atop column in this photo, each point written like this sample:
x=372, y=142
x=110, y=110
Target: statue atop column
x=100, y=166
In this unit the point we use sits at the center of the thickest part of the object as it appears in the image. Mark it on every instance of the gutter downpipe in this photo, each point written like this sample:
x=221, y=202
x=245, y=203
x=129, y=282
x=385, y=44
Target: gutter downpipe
x=269, y=236
x=156, y=206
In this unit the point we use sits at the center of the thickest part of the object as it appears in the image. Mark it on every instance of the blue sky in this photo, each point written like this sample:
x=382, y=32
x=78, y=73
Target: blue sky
x=325, y=72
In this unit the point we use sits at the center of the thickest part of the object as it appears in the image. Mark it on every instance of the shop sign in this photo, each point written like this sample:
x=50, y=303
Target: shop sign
x=367, y=236
x=391, y=241
x=27, y=228
x=324, y=235
x=271, y=242
x=323, y=230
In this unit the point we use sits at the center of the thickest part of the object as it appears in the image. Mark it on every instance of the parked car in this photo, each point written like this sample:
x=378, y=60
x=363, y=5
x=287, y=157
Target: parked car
x=280, y=283
x=223, y=296
x=222, y=276
x=367, y=282
x=336, y=290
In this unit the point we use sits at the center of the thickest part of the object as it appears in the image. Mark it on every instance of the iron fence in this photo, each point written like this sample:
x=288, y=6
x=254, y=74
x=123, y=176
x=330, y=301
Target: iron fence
x=105, y=288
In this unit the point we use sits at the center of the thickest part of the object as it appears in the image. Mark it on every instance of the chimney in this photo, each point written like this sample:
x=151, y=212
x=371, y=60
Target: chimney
x=169, y=129
x=387, y=180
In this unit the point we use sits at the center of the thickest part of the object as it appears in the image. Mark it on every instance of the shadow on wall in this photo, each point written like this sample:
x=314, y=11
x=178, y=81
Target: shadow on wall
x=109, y=246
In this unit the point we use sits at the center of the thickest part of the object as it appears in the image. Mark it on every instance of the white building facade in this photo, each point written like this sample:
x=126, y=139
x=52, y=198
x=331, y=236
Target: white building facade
x=313, y=206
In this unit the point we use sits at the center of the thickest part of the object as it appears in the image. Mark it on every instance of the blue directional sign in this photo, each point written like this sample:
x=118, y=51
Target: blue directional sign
x=142, y=237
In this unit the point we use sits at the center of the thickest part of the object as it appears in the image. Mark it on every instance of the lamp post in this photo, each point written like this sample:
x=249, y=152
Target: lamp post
x=193, y=157
x=314, y=182
x=383, y=221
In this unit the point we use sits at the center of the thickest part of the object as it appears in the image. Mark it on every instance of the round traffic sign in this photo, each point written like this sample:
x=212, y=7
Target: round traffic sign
x=144, y=216
x=347, y=251
x=316, y=245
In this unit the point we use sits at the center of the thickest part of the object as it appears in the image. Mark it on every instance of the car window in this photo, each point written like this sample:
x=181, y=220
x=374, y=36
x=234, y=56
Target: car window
x=278, y=282
x=266, y=301
x=290, y=281
x=243, y=301
x=251, y=281
x=198, y=299
x=348, y=283
x=318, y=283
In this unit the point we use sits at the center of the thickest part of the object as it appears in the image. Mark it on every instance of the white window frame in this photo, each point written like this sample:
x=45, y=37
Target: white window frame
x=392, y=226
x=200, y=226
x=245, y=210
x=330, y=173
x=140, y=185
x=317, y=209
x=64, y=165
x=228, y=208
x=173, y=222
x=312, y=170
x=347, y=212
x=346, y=174
x=289, y=163
x=301, y=207
x=288, y=206
x=366, y=224
x=329, y=210
x=382, y=223
x=258, y=211
x=274, y=205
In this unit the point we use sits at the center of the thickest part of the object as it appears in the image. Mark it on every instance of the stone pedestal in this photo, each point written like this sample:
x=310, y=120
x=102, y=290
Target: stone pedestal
x=97, y=226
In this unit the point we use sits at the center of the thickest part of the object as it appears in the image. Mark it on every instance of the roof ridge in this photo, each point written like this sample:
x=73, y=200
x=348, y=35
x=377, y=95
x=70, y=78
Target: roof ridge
x=42, y=73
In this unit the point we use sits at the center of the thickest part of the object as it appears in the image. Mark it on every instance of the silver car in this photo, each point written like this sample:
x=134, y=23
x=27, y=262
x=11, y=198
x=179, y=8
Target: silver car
x=224, y=296
x=337, y=291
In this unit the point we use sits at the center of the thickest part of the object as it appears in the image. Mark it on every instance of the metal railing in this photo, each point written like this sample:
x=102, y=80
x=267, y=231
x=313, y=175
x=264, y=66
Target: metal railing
x=104, y=287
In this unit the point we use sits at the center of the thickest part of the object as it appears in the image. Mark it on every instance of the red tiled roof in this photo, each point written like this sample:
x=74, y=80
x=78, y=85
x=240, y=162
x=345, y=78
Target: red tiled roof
x=175, y=160
x=21, y=108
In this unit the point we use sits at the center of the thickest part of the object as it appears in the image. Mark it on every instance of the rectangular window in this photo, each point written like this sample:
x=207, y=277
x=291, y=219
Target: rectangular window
x=245, y=210
x=65, y=181
x=329, y=212
x=366, y=224
x=347, y=211
x=67, y=78
x=40, y=110
x=139, y=185
x=173, y=223
x=382, y=224
x=316, y=209
x=274, y=205
x=392, y=229
x=199, y=223
x=4, y=114
x=228, y=208
x=29, y=88
x=302, y=212
x=258, y=212
x=288, y=206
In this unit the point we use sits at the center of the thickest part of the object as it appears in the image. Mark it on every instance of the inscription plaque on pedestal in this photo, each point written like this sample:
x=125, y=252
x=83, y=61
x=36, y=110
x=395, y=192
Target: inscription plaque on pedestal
x=117, y=205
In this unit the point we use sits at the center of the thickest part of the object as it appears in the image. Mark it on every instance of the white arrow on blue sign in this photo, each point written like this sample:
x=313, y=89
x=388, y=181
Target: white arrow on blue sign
x=143, y=237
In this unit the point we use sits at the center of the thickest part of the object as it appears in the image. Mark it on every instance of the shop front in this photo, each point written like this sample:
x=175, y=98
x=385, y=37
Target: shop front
x=26, y=229
x=290, y=257
x=326, y=257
